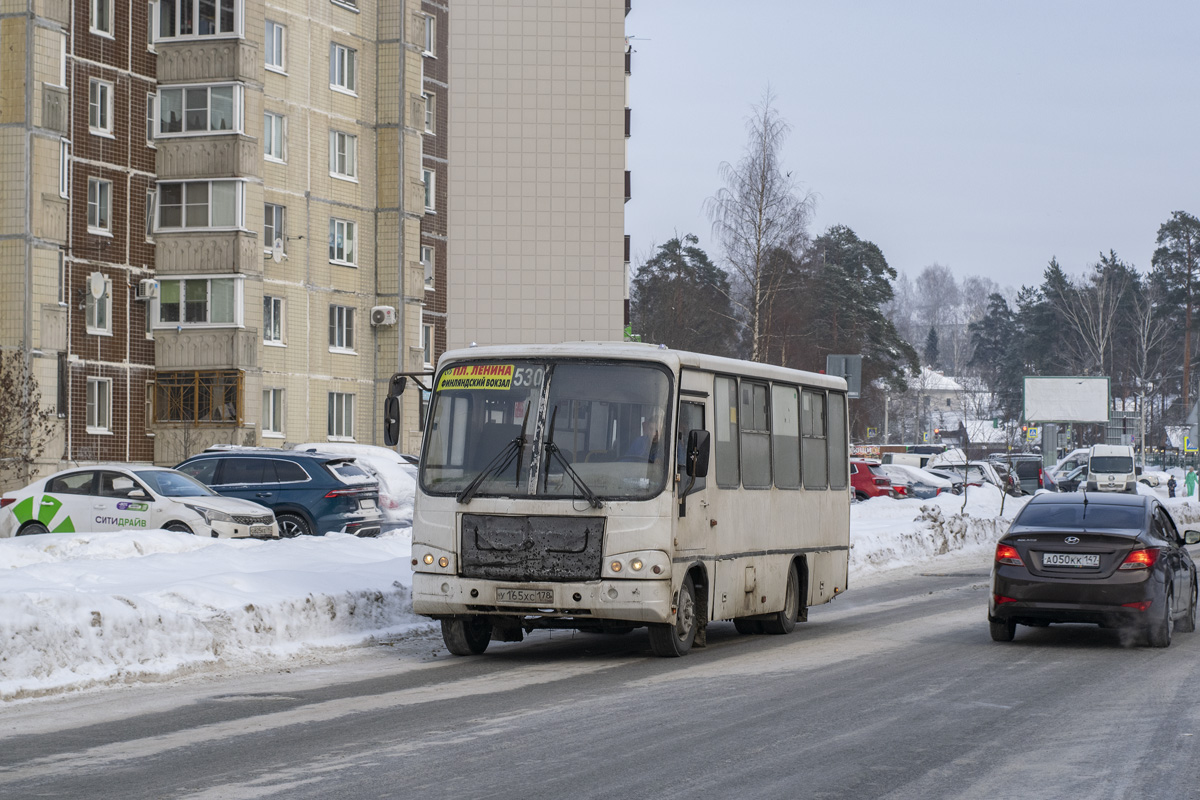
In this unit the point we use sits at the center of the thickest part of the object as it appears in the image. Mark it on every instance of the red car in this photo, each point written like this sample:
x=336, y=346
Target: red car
x=869, y=481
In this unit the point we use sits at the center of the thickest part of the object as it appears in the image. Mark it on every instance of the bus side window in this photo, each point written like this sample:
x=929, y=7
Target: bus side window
x=725, y=432
x=812, y=450
x=691, y=418
x=756, y=436
x=785, y=435
x=839, y=450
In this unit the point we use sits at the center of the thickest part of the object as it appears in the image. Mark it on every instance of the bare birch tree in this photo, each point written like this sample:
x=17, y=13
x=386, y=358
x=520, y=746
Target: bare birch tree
x=1091, y=308
x=26, y=426
x=759, y=211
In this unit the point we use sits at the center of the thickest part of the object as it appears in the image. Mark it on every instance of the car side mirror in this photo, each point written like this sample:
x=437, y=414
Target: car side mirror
x=137, y=494
x=697, y=454
x=391, y=420
x=1191, y=537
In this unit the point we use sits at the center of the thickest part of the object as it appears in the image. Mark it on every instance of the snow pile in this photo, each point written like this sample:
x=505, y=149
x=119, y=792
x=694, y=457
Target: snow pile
x=83, y=609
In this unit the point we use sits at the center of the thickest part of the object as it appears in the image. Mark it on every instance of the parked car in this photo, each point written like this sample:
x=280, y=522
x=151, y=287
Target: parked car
x=972, y=473
x=114, y=497
x=919, y=483
x=395, y=472
x=1112, y=559
x=868, y=480
x=310, y=493
x=1071, y=481
x=1075, y=458
x=1111, y=469
x=900, y=481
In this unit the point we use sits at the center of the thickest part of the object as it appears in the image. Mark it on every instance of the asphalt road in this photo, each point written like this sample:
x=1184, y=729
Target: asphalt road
x=895, y=691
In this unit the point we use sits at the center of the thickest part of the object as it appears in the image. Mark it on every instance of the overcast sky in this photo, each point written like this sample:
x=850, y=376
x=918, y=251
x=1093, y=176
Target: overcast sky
x=986, y=137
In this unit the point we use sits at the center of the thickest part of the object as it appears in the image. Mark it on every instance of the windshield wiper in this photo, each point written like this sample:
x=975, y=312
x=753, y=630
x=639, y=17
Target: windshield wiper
x=552, y=450
x=500, y=463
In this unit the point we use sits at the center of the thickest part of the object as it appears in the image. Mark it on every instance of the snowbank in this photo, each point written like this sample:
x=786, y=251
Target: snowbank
x=78, y=610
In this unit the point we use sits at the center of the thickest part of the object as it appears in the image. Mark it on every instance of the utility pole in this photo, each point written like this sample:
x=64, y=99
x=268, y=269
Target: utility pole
x=886, y=400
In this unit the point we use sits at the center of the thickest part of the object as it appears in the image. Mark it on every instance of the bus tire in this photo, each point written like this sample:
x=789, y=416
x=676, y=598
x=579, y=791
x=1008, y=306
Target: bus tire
x=785, y=621
x=748, y=627
x=674, y=639
x=467, y=636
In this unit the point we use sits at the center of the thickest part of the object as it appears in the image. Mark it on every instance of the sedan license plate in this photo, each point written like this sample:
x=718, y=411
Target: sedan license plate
x=1070, y=559
x=260, y=530
x=367, y=502
x=528, y=596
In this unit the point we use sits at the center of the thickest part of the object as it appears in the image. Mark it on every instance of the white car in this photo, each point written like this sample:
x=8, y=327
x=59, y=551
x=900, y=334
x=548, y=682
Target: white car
x=114, y=497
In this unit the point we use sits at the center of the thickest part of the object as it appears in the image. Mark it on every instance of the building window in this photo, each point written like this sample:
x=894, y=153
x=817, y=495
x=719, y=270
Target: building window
x=430, y=35
x=201, y=397
x=341, y=328
x=430, y=107
x=149, y=410
x=273, y=136
x=99, y=208
x=351, y=4
x=342, y=68
x=150, y=117
x=275, y=39
x=188, y=18
x=150, y=44
x=150, y=199
x=343, y=235
x=102, y=17
x=200, y=204
x=272, y=319
x=99, y=405
x=98, y=310
x=272, y=411
x=199, y=109
x=343, y=155
x=100, y=107
x=427, y=343
x=429, y=177
x=62, y=60
x=211, y=302
x=427, y=263
x=62, y=278
x=274, y=217
x=341, y=415
x=64, y=168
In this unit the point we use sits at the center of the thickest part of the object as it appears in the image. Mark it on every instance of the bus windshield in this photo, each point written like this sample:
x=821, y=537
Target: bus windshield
x=506, y=429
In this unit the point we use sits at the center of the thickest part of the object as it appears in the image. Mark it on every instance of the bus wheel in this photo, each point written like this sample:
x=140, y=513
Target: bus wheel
x=466, y=636
x=748, y=627
x=672, y=639
x=785, y=621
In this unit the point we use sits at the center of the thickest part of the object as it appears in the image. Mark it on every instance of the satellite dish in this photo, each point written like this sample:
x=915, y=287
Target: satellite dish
x=96, y=284
x=277, y=251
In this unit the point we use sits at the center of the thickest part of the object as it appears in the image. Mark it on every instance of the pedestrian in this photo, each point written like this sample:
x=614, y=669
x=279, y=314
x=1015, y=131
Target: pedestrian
x=1171, y=484
x=1189, y=482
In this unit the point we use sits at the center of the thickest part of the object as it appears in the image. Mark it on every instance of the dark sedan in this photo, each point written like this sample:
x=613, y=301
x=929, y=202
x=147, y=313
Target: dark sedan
x=1110, y=559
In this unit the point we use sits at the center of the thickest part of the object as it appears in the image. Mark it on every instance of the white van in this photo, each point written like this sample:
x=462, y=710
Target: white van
x=1111, y=469
x=918, y=460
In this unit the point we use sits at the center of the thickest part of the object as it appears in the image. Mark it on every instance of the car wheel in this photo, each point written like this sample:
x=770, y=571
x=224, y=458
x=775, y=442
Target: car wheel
x=32, y=529
x=860, y=496
x=292, y=525
x=177, y=527
x=673, y=639
x=785, y=620
x=1187, y=623
x=1159, y=632
x=1002, y=631
x=466, y=636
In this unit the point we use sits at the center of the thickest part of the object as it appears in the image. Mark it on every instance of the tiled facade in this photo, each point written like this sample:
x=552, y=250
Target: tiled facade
x=537, y=171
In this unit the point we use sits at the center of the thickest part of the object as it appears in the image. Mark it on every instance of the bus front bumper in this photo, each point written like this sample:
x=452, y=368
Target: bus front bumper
x=632, y=600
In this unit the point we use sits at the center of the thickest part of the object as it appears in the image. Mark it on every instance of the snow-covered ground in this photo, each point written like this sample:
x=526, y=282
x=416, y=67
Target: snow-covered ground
x=87, y=609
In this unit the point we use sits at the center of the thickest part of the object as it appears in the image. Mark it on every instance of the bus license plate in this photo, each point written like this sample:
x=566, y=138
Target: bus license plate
x=1070, y=559
x=528, y=596
x=260, y=530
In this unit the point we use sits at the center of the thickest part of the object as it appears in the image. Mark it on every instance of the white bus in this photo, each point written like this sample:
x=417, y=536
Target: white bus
x=609, y=486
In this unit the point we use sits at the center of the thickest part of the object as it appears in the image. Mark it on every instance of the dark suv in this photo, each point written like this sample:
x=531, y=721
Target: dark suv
x=309, y=492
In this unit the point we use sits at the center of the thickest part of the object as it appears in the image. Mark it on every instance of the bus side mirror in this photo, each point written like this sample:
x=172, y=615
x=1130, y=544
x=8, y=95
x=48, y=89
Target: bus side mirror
x=697, y=454
x=391, y=420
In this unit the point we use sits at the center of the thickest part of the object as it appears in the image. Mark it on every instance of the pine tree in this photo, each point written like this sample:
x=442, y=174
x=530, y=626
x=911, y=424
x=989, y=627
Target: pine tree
x=931, y=348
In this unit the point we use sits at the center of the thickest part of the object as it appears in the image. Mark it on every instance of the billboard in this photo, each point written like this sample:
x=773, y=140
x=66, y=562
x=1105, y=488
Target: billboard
x=1070, y=399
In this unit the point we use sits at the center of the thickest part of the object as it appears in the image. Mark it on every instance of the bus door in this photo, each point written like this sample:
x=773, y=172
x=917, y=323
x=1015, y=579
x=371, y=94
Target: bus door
x=695, y=538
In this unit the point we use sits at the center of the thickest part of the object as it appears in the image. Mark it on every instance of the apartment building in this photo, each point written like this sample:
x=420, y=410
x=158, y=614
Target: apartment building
x=537, y=171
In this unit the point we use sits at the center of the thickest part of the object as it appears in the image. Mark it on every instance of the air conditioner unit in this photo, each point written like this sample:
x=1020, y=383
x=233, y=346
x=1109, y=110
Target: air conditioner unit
x=383, y=315
x=147, y=289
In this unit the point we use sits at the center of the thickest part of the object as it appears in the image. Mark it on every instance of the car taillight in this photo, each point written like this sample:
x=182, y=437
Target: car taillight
x=7, y=501
x=343, y=492
x=1141, y=559
x=1001, y=599
x=1007, y=554
x=1140, y=605
x=883, y=482
x=1041, y=482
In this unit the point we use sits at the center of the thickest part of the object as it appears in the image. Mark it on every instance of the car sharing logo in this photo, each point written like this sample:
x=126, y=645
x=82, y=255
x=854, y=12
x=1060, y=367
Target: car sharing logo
x=1072, y=540
x=132, y=506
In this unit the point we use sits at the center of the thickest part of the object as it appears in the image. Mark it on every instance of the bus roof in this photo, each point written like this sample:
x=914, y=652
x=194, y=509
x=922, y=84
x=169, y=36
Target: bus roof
x=638, y=351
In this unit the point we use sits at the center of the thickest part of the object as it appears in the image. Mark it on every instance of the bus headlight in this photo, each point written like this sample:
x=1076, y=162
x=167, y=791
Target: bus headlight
x=637, y=564
x=428, y=558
